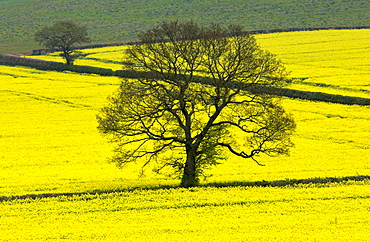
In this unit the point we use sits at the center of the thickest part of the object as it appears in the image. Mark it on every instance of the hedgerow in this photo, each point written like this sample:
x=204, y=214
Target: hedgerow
x=57, y=66
x=53, y=66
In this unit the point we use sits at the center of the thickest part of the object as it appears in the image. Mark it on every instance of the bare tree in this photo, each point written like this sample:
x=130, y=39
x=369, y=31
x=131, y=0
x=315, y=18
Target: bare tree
x=63, y=35
x=194, y=105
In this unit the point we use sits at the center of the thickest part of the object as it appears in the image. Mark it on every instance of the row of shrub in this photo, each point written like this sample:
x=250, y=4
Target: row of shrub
x=53, y=66
x=315, y=96
x=57, y=66
x=284, y=92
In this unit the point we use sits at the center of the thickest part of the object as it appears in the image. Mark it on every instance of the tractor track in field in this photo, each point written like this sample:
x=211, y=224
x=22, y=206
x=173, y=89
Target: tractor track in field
x=47, y=99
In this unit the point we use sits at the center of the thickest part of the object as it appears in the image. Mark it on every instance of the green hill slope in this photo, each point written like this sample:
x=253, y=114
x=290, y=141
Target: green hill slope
x=13, y=2
x=113, y=21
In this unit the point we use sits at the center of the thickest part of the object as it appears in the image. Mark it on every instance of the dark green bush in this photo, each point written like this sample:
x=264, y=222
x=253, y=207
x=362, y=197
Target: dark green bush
x=53, y=66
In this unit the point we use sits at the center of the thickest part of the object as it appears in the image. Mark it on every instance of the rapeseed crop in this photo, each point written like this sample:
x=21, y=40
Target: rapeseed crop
x=48, y=136
x=329, y=61
x=49, y=144
x=330, y=212
x=104, y=57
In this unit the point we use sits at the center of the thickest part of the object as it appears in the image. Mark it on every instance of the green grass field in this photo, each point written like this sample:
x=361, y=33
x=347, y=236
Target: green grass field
x=113, y=21
x=13, y=2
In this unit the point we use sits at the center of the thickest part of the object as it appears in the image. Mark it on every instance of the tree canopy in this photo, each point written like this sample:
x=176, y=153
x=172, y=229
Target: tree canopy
x=192, y=108
x=63, y=36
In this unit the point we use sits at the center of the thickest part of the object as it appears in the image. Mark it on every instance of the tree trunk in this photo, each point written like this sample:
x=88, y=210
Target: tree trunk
x=67, y=54
x=189, y=178
x=69, y=59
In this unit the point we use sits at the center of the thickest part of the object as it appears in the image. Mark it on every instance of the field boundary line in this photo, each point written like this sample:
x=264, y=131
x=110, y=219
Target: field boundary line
x=254, y=89
x=263, y=183
x=258, y=89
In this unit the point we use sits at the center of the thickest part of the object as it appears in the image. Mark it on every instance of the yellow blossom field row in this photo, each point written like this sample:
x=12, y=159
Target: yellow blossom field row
x=330, y=61
x=48, y=136
x=50, y=144
x=330, y=212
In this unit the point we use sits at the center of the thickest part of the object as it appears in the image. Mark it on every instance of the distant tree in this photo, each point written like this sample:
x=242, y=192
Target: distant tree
x=63, y=35
x=193, y=105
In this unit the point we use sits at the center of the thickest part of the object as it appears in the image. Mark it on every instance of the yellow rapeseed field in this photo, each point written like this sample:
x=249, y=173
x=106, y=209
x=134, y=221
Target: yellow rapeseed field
x=48, y=136
x=49, y=144
x=330, y=61
x=49, y=140
x=333, y=212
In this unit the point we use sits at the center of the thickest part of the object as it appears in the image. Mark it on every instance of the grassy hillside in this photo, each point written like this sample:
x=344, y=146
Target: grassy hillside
x=112, y=21
x=13, y=2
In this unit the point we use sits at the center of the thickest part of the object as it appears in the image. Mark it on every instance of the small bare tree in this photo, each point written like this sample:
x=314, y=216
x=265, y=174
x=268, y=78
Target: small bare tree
x=194, y=105
x=63, y=35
